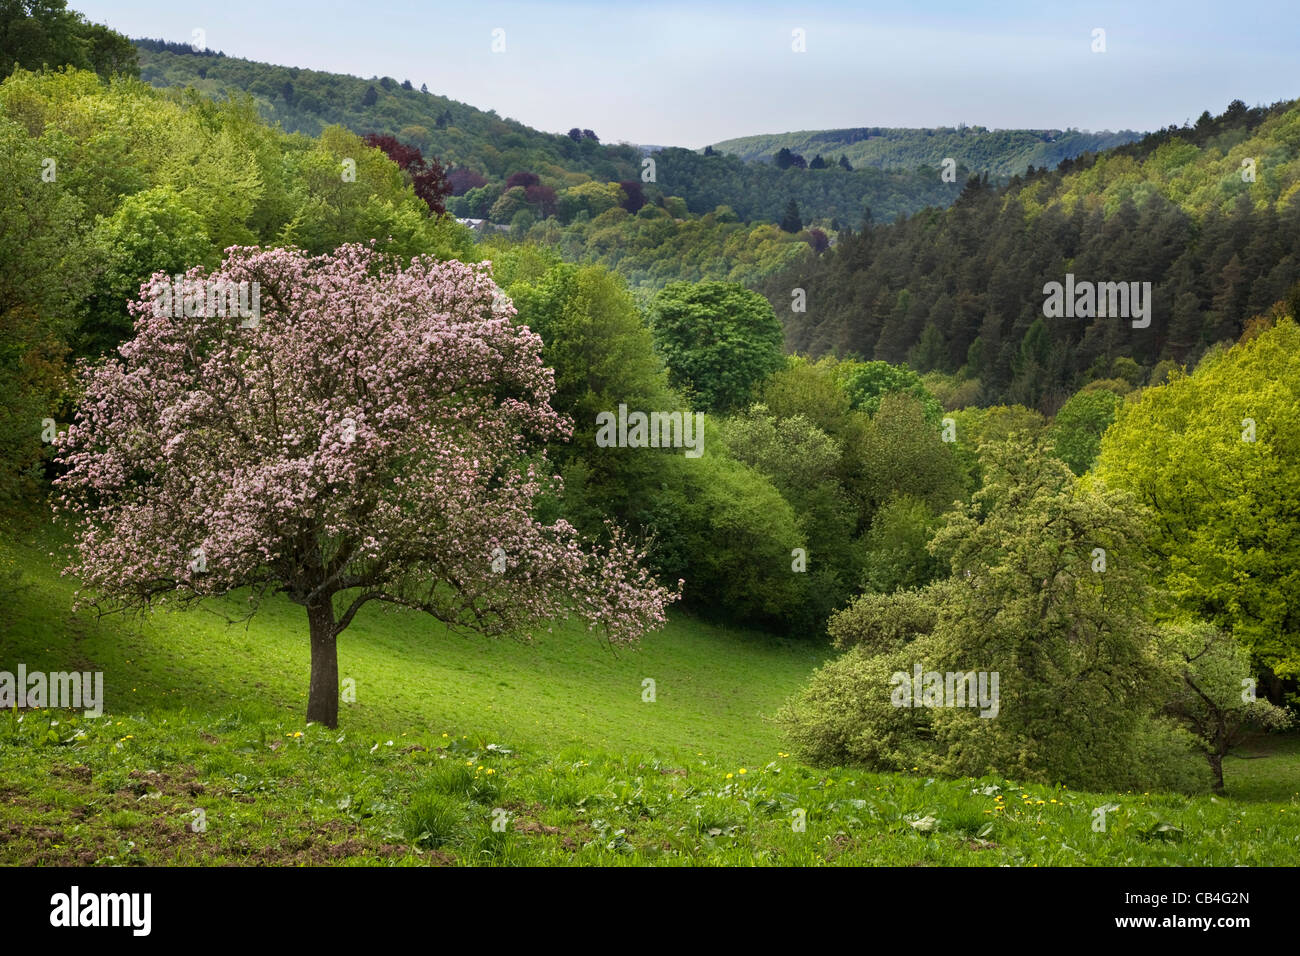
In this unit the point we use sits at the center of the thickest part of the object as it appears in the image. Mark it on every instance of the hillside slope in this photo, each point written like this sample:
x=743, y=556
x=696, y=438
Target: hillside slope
x=715, y=686
x=307, y=101
x=202, y=757
x=1207, y=214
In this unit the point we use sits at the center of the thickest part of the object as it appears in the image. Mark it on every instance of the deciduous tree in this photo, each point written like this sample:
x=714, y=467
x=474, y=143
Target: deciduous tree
x=720, y=341
x=1216, y=456
x=371, y=436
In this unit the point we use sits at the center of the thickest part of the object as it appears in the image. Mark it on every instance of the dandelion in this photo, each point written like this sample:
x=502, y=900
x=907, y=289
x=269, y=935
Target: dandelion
x=743, y=770
x=490, y=770
x=729, y=776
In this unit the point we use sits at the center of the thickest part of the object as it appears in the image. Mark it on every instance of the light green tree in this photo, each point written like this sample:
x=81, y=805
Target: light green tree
x=1215, y=455
x=596, y=340
x=152, y=231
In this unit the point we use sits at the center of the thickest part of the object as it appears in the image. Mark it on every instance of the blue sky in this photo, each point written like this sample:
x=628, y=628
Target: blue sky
x=694, y=73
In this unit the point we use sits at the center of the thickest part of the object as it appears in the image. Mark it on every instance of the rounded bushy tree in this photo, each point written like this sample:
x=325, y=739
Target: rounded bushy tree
x=719, y=339
x=1049, y=595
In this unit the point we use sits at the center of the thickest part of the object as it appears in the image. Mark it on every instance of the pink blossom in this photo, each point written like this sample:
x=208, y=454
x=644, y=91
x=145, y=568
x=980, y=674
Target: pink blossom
x=208, y=437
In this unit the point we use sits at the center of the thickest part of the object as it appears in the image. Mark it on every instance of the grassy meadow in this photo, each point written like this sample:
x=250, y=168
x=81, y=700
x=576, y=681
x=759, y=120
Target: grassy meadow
x=463, y=750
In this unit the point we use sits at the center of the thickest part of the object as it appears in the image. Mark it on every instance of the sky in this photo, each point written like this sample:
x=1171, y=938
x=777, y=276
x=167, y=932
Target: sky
x=690, y=74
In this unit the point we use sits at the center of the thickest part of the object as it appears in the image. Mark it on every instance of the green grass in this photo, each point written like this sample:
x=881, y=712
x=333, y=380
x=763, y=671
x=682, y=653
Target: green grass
x=129, y=791
x=1267, y=767
x=203, y=757
x=715, y=688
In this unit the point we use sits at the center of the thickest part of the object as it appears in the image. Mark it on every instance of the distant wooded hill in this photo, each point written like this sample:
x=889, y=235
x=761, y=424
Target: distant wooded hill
x=999, y=152
x=489, y=149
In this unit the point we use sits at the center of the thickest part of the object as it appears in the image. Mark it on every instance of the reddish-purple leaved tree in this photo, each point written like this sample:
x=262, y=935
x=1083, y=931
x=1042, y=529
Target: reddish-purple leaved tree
x=371, y=433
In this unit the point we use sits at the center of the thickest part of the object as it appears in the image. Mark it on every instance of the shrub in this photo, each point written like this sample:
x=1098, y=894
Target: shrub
x=844, y=716
x=1079, y=686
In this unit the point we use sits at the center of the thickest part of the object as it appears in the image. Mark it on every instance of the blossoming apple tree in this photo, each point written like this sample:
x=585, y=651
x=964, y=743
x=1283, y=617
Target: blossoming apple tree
x=373, y=435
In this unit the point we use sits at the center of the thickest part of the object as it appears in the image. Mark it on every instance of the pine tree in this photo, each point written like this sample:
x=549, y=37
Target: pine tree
x=790, y=221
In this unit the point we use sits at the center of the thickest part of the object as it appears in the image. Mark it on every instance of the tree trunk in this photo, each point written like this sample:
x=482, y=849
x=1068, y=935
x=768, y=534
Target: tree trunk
x=323, y=697
x=1216, y=765
x=1275, y=688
